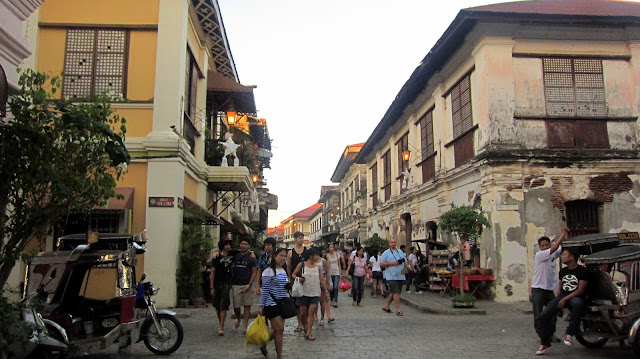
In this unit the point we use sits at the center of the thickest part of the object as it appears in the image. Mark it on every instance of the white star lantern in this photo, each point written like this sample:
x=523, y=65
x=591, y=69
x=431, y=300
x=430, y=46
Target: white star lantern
x=230, y=148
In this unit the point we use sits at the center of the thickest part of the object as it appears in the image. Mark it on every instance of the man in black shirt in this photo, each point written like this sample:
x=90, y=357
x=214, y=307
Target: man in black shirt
x=294, y=257
x=220, y=277
x=573, y=288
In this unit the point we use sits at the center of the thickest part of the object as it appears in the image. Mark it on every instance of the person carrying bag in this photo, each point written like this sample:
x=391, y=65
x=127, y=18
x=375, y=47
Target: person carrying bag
x=275, y=303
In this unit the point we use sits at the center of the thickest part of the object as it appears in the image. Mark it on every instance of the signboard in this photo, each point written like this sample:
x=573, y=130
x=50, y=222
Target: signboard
x=629, y=237
x=161, y=201
x=180, y=202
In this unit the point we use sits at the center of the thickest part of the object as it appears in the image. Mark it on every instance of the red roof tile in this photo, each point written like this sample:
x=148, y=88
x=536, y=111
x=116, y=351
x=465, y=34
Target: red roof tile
x=307, y=212
x=566, y=7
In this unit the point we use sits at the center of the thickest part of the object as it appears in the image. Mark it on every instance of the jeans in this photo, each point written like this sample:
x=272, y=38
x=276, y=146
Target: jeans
x=358, y=287
x=335, y=279
x=541, y=298
x=578, y=307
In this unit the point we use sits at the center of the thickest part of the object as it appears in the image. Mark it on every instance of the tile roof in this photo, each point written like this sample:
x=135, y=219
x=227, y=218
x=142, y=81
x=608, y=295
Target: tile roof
x=307, y=212
x=565, y=7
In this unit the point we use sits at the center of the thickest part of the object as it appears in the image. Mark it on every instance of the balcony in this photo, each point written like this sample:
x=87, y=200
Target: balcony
x=234, y=179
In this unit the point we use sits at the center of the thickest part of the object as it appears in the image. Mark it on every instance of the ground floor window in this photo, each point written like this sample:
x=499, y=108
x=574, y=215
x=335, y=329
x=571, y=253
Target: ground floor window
x=582, y=217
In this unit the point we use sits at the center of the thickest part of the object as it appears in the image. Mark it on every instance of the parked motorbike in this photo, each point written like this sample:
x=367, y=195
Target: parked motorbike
x=161, y=332
x=42, y=343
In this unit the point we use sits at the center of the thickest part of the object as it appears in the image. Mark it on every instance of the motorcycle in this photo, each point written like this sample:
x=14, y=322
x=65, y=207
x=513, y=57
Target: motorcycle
x=93, y=303
x=161, y=332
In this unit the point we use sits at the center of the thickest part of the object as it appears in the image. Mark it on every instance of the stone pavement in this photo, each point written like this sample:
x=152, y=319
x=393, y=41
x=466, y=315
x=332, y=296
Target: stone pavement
x=504, y=331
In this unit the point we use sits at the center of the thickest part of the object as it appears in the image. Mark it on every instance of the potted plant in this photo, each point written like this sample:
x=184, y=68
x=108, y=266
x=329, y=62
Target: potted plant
x=464, y=222
x=196, y=246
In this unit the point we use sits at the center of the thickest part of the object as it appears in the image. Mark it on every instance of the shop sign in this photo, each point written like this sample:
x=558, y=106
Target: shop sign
x=180, y=203
x=161, y=201
x=629, y=237
x=507, y=207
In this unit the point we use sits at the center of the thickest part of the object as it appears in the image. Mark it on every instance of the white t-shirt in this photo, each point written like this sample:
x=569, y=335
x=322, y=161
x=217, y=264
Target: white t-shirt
x=375, y=264
x=545, y=275
x=413, y=260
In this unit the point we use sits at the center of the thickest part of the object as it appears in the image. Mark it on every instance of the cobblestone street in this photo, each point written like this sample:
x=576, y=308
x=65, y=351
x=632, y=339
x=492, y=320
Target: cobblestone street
x=505, y=331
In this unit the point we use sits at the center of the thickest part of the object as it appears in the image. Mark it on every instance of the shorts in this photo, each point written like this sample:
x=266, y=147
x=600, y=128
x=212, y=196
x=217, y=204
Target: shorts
x=240, y=297
x=271, y=311
x=376, y=275
x=395, y=286
x=221, y=300
x=305, y=301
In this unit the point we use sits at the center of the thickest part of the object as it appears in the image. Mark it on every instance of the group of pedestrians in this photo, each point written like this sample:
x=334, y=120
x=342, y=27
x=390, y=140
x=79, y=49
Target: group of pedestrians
x=318, y=269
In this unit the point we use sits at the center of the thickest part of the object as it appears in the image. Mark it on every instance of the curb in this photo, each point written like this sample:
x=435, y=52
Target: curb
x=434, y=311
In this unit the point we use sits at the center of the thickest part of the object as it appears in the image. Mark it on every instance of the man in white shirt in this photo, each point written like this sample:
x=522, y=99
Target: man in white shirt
x=545, y=276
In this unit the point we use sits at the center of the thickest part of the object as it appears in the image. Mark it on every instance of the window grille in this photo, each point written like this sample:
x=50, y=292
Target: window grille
x=461, y=107
x=95, y=63
x=574, y=87
x=426, y=135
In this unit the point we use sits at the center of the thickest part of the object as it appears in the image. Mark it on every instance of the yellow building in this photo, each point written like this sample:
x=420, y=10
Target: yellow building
x=300, y=222
x=172, y=63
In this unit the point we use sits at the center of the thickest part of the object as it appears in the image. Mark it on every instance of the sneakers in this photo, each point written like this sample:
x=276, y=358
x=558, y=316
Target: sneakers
x=543, y=349
x=568, y=340
x=408, y=292
x=419, y=292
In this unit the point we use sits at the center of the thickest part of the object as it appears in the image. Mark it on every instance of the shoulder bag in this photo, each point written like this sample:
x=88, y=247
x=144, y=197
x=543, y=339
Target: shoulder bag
x=297, y=289
x=352, y=269
x=286, y=306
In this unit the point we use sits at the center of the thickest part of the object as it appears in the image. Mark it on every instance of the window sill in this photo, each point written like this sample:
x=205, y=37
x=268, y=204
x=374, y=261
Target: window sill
x=427, y=158
x=475, y=127
x=605, y=118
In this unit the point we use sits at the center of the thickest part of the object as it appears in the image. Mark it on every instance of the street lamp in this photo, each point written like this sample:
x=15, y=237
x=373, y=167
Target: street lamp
x=406, y=154
x=254, y=178
x=231, y=116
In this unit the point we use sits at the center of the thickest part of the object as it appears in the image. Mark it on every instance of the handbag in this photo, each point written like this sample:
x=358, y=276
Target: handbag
x=297, y=290
x=286, y=307
x=352, y=269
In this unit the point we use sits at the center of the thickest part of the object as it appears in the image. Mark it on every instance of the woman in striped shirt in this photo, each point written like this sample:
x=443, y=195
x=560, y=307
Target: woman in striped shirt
x=274, y=279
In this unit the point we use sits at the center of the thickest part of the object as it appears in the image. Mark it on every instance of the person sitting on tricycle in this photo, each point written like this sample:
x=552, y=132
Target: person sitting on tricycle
x=573, y=288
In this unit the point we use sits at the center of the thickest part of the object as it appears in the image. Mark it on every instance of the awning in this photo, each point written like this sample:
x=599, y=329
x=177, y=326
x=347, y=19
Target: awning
x=243, y=99
x=118, y=205
x=353, y=234
x=209, y=218
x=237, y=226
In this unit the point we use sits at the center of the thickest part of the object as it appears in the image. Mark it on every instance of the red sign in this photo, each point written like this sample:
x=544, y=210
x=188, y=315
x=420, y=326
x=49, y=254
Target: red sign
x=161, y=201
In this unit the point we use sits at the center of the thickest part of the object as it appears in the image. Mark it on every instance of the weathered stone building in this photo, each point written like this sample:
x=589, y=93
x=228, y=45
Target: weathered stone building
x=527, y=111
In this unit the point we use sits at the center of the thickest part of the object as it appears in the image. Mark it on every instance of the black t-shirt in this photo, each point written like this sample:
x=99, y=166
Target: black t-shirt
x=223, y=267
x=296, y=258
x=243, y=265
x=570, y=278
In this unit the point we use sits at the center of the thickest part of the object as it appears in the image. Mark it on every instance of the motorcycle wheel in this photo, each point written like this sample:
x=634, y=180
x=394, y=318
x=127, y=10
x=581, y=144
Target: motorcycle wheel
x=173, y=331
x=589, y=340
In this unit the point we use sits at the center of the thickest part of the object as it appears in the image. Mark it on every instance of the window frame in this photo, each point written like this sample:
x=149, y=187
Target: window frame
x=386, y=174
x=374, y=185
x=94, y=54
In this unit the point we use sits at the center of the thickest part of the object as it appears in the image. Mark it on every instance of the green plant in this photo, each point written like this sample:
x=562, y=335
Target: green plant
x=380, y=244
x=213, y=152
x=15, y=331
x=196, y=245
x=57, y=157
x=463, y=300
x=465, y=222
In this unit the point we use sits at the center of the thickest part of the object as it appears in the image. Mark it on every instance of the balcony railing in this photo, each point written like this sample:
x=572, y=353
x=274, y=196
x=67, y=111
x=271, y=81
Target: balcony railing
x=190, y=133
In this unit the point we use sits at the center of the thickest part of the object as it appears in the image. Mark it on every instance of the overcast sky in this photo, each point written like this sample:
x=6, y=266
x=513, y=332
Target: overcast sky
x=326, y=72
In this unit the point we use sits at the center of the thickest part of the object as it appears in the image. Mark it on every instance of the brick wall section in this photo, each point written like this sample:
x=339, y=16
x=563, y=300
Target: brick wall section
x=605, y=186
x=559, y=186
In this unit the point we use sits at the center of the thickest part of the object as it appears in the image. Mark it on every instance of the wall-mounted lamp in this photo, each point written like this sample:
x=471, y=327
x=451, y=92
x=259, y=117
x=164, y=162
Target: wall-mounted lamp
x=231, y=116
x=254, y=178
x=406, y=154
x=338, y=208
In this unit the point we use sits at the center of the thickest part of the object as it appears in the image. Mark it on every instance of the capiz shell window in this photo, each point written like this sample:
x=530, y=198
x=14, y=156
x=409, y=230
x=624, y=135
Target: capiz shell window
x=95, y=63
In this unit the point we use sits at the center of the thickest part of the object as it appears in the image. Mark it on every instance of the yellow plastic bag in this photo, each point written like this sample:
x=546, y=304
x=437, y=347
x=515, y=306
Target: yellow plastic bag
x=258, y=332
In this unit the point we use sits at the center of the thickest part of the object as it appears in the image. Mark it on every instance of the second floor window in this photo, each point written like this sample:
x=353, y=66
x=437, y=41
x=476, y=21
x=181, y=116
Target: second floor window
x=574, y=87
x=426, y=146
x=95, y=62
x=374, y=185
x=386, y=163
x=461, y=107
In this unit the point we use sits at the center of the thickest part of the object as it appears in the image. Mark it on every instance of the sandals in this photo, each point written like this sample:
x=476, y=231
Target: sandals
x=321, y=322
x=299, y=329
x=387, y=310
x=220, y=332
x=399, y=314
x=331, y=319
x=264, y=351
x=309, y=337
x=236, y=325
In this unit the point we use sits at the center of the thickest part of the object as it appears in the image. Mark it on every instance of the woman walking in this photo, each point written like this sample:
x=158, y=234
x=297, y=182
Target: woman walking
x=324, y=295
x=274, y=278
x=309, y=274
x=335, y=273
x=357, y=279
x=374, y=264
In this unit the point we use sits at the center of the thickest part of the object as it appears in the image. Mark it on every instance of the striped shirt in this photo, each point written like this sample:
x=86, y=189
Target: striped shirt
x=273, y=284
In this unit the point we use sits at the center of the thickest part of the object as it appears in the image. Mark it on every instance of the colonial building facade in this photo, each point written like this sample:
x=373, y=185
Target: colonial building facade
x=526, y=111
x=171, y=61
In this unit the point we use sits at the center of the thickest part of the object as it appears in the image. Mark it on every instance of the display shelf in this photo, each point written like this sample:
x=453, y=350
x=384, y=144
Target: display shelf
x=438, y=260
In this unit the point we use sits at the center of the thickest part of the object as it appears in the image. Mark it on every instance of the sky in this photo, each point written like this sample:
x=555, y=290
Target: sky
x=326, y=72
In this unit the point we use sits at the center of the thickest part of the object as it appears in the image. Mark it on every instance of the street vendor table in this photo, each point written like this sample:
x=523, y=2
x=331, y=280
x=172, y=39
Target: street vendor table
x=446, y=283
x=472, y=283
